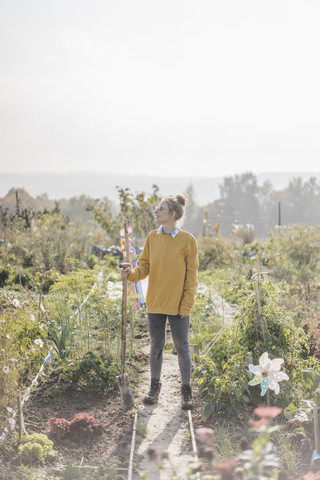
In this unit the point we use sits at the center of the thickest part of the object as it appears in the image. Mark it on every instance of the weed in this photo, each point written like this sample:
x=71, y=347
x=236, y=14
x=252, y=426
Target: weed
x=226, y=440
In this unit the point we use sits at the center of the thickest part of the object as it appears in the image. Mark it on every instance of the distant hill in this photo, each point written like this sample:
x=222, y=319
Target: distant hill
x=27, y=201
x=97, y=184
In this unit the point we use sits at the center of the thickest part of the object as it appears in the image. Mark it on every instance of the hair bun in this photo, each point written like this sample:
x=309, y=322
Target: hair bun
x=181, y=199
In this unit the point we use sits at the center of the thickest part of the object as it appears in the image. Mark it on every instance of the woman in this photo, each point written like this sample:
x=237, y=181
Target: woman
x=170, y=259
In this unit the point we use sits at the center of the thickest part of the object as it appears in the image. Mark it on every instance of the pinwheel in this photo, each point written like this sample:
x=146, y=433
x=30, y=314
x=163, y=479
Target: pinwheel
x=267, y=374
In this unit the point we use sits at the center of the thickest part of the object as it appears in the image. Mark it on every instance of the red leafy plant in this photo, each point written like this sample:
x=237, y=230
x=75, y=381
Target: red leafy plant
x=58, y=428
x=226, y=469
x=82, y=426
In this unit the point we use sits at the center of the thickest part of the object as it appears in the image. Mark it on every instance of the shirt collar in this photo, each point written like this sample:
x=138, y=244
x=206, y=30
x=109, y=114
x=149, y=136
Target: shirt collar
x=174, y=232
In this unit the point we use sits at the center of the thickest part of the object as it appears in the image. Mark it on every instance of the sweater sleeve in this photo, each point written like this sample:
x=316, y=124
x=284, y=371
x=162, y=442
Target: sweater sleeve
x=191, y=279
x=142, y=270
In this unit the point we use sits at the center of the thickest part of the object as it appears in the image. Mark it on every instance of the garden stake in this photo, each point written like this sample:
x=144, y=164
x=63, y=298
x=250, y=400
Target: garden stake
x=315, y=455
x=22, y=428
x=123, y=379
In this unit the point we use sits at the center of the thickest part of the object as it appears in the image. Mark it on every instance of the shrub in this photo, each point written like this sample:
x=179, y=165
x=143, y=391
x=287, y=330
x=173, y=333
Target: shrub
x=48, y=279
x=294, y=255
x=93, y=372
x=4, y=275
x=246, y=233
x=214, y=251
x=224, y=385
x=36, y=448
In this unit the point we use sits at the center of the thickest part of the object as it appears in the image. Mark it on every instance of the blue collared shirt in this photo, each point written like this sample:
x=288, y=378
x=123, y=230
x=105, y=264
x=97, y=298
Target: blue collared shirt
x=174, y=232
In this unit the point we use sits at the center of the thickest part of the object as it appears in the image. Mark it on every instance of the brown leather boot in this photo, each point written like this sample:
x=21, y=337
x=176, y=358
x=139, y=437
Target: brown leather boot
x=186, y=397
x=153, y=394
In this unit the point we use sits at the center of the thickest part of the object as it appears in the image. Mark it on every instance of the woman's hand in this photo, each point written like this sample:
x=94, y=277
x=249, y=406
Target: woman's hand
x=124, y=272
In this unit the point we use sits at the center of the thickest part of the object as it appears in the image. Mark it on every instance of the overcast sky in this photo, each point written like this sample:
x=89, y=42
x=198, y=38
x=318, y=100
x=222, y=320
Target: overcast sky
x=181, y=87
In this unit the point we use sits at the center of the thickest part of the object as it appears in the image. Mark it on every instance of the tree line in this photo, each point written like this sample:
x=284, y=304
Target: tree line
x=241, y=203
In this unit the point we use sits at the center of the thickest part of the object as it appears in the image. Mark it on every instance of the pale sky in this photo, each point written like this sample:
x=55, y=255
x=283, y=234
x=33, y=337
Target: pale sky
x=161, y=87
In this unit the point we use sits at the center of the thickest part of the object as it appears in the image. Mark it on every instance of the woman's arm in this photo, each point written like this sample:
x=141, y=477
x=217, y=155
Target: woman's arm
x=191, y=279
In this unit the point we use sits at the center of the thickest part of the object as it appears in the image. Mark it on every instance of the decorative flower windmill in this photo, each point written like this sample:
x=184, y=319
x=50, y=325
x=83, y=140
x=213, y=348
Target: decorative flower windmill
x=268, y=374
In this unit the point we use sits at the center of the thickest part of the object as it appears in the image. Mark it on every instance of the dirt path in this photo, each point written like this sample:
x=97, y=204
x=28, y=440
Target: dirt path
x=167, y=425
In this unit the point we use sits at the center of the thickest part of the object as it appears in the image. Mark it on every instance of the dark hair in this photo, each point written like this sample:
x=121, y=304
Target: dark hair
x=176, y=204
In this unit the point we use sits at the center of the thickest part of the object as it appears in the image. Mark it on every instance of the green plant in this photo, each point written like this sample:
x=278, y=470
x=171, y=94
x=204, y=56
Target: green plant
x=263, y=326
x=288, y=447
x=36, y=448
x=225, y=440
x=47, y=279
x=294, y=255
x=62, y=333
x=257, y=461
x=224, y=384
x=205, y=321
x=306, y=393
x=231, y=282
x=254, y=252
x=108, y=470
x=137, y=208
x=214, y=251
x=62, y=311
x=71, y=472
x=260, y=461
x=4, y=275
x=93, y=372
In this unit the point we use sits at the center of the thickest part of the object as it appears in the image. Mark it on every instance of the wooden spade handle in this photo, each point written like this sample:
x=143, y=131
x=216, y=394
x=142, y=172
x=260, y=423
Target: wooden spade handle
x=124, y=301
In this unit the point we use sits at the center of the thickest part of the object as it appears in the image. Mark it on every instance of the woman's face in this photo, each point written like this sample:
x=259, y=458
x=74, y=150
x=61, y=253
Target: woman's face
x=162, y=214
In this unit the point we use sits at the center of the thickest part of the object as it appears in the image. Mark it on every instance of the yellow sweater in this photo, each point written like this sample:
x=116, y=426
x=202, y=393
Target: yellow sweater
x=172, y=266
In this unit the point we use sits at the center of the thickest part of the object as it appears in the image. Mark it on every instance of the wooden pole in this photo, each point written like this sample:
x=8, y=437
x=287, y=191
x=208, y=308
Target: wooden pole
x=256, y=288
x=22, y=429
x=124, y=381
x=124, y=323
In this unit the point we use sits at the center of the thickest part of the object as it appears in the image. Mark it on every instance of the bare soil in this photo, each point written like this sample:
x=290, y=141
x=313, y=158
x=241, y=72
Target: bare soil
x=62, y=402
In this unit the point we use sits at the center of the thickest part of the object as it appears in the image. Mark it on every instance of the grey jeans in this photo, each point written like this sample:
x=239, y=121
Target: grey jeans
x=180, y=335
